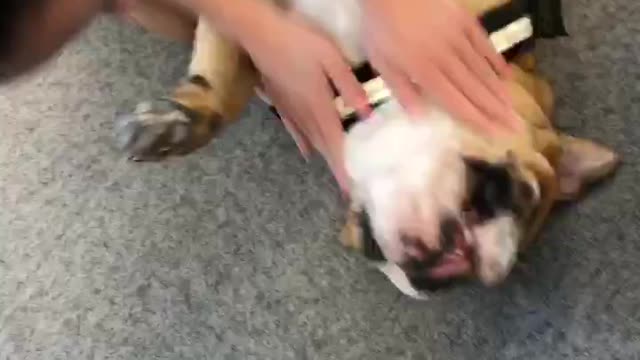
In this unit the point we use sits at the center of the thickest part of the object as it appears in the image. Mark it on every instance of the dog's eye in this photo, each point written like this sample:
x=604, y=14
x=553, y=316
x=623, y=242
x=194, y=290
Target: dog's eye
x=491, y=190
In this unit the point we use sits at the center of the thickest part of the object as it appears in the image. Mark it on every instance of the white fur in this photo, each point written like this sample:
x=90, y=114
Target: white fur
x=407, y=173
x=496, y=249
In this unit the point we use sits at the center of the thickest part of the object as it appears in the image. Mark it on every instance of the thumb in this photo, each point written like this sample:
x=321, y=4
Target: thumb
x=301, y=141
x=340, y=175
x=352, y=92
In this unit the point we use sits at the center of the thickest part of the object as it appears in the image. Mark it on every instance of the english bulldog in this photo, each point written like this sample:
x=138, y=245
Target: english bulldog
x=433, y=202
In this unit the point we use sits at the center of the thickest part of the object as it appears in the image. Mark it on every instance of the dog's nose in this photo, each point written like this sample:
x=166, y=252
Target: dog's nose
x=449, y=228
x=421, y=258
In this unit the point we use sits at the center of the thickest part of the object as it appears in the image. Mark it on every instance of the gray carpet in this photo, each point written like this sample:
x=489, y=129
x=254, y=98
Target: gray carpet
x=232, y=253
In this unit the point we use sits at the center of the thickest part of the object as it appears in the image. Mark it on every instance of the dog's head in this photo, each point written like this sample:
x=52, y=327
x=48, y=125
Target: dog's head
x=433, y=204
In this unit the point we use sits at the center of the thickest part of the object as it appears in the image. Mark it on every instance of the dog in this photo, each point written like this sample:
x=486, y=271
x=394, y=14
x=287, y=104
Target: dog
x=434, y=203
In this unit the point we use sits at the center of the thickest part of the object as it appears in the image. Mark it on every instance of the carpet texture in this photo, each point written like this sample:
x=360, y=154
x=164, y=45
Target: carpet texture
x=232, y=253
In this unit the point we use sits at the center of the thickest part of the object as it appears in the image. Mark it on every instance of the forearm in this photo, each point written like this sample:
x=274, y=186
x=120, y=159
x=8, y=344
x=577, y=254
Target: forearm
x=240, y=20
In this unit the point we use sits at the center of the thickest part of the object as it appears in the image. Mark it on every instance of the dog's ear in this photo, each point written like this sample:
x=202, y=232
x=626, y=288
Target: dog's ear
x=582, y=162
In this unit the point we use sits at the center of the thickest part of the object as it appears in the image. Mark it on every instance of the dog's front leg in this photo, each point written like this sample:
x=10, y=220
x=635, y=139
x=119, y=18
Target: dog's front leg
x=221, y=82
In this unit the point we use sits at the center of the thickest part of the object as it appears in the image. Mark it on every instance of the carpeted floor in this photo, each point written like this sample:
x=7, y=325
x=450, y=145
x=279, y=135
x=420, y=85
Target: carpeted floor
x=232, y=253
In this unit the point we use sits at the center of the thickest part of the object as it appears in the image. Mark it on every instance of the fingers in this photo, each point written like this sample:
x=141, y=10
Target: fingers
x=452, y=98
x=482, y=70
x=463, y=81
x=342, y=77
x=291, y=118
x=491, y=107
x=495, y=85
x=443, y=84
x=479, y=39
x=340, y=174
x=338, y=71
x=314, y=121
x=298, y=137
x=330, y=126
x=400, y=84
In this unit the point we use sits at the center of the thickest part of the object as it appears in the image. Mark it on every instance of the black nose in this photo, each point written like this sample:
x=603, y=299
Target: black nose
x=429, y=258
x=449, y=228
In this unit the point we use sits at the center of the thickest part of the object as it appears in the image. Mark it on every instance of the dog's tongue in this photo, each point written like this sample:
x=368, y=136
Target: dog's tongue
x=457, y=263
x=451, y=266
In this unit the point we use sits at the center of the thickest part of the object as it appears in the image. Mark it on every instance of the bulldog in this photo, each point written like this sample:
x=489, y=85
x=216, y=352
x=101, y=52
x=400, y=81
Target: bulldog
x=434, y=203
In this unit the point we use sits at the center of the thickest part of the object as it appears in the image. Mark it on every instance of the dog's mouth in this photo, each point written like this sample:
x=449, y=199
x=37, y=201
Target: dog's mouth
x=459, y=260
x=454, y=260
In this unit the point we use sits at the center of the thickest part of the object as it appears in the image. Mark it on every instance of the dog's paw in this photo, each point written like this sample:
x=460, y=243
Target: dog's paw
x=153, y=131
x=158, y=129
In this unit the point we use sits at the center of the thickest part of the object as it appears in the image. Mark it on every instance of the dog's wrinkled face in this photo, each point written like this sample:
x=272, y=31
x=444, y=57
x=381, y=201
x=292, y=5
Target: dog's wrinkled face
x=435, y=213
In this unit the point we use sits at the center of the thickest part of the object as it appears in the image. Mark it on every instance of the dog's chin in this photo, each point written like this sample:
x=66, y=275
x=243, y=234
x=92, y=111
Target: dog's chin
x=486, y=252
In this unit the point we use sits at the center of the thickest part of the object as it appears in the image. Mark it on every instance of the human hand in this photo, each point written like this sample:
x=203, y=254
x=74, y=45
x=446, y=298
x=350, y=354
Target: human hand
x=434, y=48
x=298, y=65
